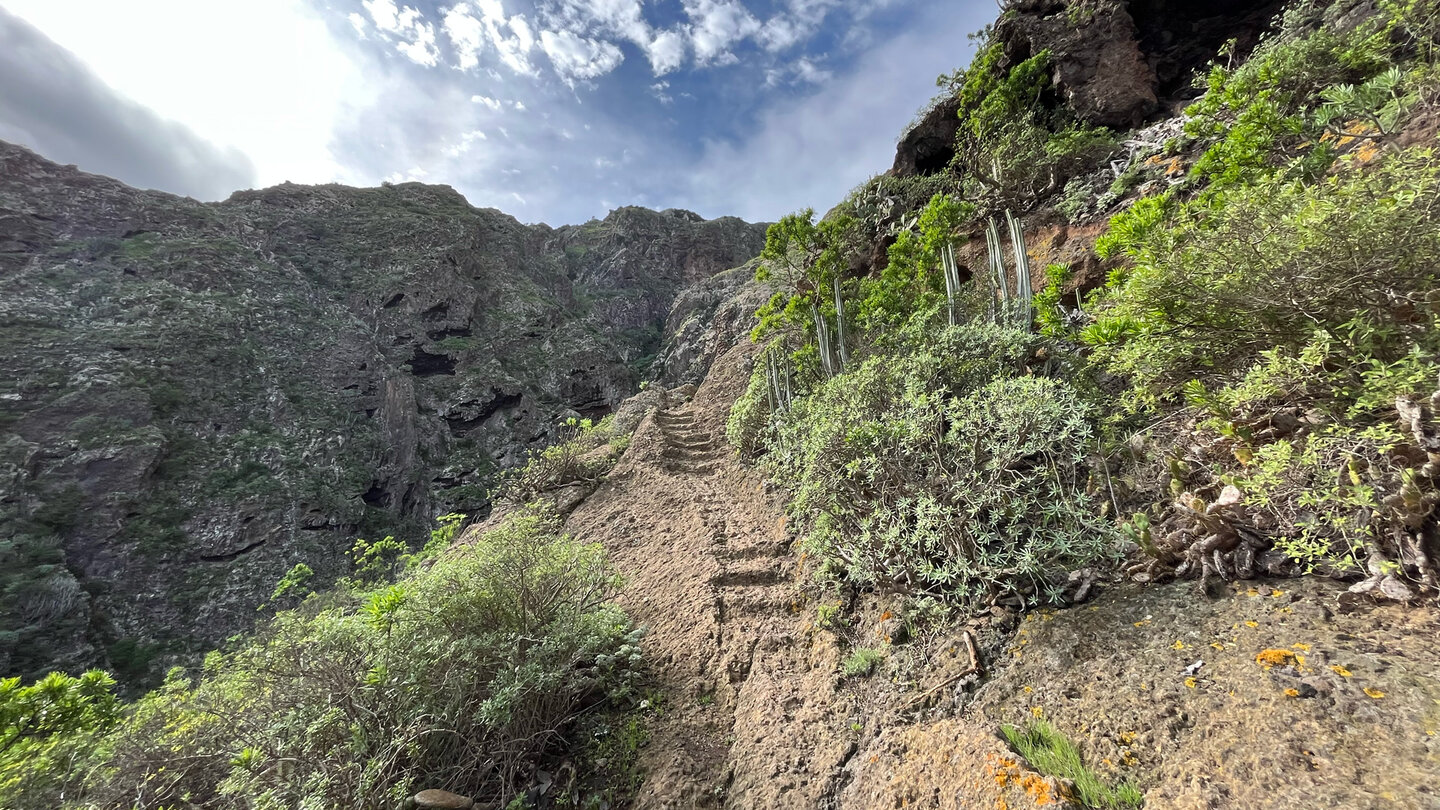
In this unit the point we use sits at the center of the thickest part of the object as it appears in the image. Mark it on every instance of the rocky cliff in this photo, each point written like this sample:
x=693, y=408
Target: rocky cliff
x=196, y=397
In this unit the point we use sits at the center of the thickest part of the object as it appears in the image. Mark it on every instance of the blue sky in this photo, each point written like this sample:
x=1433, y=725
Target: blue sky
x=551, y=110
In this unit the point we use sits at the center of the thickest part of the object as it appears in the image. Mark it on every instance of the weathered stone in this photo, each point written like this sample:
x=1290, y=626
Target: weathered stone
x=442, y=800
x=1096, y=59
x=929, y=144
x=213, y=391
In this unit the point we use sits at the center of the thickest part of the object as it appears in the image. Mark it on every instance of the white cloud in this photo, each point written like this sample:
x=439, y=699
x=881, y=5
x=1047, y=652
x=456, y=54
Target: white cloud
x=421, y=50
x=715, y=25
x=280, y=110
x=806, y=71
x=779, y=33
x=466, y=142
x=384, y=13
x=466, y=33
x=666, y=52
x=810, y=149
x=406, y=24
x=515, y=50
x=519, y=105
x=576, y=57
x=357, y=21
x=492, y=103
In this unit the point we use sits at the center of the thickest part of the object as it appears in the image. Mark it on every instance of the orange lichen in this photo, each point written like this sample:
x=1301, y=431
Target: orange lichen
x=1008, y=773
x=1339, y=670
x=1301, y=647
x=1252, y=624
x=1295, y=693
x=1373, y=692
x=1274, y=658
x=1191, y=682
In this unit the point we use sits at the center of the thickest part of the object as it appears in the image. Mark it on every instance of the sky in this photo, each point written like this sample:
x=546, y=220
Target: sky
x=553, y=111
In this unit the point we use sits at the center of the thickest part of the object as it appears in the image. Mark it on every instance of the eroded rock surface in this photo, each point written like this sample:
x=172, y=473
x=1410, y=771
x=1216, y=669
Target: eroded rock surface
x=196, y=397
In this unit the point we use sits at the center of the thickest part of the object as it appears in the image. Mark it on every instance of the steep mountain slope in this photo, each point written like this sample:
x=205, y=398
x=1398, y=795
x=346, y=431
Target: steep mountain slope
x=760, y=712
x=197, y=397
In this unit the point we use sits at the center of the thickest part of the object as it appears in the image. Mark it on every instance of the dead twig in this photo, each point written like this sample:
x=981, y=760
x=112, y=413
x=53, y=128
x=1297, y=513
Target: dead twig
x=973, y=669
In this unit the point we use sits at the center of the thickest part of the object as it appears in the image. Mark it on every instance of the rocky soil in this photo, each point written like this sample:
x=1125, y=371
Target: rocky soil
x=196, y=397
x=1269, y=696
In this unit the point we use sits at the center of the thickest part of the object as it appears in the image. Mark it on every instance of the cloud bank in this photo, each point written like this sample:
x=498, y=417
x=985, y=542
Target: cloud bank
x=552, y=110
x=52, y=103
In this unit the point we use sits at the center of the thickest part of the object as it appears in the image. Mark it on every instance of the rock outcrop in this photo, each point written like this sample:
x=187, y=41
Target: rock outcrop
x=196, y=397
x=1114, y=63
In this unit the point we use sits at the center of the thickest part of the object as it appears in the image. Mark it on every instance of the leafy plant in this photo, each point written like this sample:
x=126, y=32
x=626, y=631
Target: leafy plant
x=462, y=673
x=576, y=458
x=861, y=662
x=1358, y=242
x=933, y=470
x=45, y=730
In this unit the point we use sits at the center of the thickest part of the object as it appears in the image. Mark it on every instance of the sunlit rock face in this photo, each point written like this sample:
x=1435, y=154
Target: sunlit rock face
x=197, y=396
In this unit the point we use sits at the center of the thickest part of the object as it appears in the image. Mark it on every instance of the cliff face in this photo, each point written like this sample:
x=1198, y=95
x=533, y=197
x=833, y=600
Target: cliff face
x=1114, y=63
x=196, y=397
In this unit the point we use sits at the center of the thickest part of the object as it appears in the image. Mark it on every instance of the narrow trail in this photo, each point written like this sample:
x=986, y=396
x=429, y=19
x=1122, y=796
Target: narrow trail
x=757, y=714
x=710, y=574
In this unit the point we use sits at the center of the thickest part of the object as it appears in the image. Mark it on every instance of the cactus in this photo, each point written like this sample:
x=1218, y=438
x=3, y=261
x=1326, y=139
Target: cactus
x=1024, y=295
x=997, y=272
x=840, y=325
x=1017, y=309
x=952, y=283
x=822, y=336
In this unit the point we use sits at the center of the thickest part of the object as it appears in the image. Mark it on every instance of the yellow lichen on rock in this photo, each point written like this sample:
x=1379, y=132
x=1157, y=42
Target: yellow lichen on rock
x=1274, y=658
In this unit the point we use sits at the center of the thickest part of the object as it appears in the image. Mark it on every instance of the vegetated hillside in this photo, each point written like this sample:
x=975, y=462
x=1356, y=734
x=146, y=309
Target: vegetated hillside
x=197, y=397
x=1102, y=455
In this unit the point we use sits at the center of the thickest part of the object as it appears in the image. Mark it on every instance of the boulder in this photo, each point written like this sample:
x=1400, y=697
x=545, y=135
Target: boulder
x=434, y=799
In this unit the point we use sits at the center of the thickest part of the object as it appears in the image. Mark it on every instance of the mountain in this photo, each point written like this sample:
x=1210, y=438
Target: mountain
x=195, y=397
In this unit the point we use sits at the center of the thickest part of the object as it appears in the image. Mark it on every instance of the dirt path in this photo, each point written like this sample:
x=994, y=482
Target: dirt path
x=708, y=562
x=758, y=715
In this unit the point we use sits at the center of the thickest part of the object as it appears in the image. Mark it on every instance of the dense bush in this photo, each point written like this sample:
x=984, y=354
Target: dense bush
x=1016, y=142
x=458, y=676
x=941, y=470
x=1291, y=306
x=47, y=730
x=1264, y=265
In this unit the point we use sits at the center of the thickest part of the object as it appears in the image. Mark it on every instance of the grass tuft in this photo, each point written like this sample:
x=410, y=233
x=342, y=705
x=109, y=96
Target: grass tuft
x=1051, y=753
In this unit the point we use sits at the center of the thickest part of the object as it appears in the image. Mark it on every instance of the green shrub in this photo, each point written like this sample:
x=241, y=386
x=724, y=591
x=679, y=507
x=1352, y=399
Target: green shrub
x=459, y=675
x=861, y=662
x=745, y=427
x=573, y=459
x=910, y=282
x=1014, y=143
x=936, y=470
x=46, y=729
x=1264, y=265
